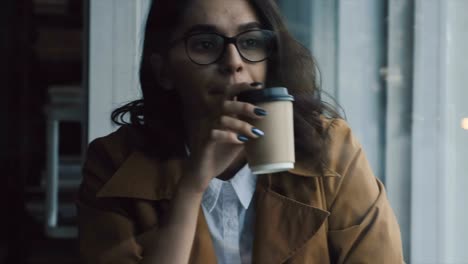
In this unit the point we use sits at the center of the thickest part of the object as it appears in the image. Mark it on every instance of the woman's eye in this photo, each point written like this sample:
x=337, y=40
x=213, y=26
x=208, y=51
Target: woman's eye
x=207, y=45
x=251, y=43
x=204, y=45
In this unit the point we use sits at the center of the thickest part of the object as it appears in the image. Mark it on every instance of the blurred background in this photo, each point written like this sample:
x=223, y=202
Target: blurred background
x=399, y=69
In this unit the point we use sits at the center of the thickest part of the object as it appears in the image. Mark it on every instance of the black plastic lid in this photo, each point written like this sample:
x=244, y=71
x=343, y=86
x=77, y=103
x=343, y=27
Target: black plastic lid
x=265, y=95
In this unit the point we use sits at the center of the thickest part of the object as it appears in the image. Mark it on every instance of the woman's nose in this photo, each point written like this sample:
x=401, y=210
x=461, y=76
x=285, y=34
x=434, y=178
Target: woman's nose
x=232, y=61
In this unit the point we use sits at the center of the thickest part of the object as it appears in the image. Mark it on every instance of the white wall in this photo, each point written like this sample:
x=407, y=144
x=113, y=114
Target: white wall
x=360, y=88
x=114, y=47
x=428, y=168
x=456, y=151
x=324, y=43
x=440, y=171
x=399, y=82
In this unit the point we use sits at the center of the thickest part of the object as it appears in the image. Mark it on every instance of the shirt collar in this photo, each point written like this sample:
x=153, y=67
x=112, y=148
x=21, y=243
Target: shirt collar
x=243, y=182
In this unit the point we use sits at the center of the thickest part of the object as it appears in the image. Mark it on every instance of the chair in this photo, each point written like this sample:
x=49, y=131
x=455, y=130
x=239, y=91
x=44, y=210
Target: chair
x=62, y=173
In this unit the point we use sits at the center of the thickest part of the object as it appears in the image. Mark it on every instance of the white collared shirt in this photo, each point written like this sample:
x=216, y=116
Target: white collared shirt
x=228, y=209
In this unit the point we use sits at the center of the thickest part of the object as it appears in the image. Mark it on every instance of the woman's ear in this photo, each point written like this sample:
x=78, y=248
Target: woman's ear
x=158, y=69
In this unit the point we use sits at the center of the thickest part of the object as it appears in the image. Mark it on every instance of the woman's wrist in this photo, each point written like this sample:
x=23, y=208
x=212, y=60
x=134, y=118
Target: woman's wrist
x=187, y=185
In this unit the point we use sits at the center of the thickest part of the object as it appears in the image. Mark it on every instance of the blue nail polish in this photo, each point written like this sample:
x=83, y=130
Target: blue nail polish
x=260, y=112
x=242, y=138
x=258, y=132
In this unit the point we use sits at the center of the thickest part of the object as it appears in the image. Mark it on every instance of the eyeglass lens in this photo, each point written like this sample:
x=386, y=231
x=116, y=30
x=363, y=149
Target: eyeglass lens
x=206, y=48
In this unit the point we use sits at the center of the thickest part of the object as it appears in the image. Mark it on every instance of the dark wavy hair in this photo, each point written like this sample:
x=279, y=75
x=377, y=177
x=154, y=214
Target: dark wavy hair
x=158, y=116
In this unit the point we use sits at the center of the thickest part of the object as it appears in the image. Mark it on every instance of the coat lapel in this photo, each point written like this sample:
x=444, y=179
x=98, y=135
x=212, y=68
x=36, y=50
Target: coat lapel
x=143, y=178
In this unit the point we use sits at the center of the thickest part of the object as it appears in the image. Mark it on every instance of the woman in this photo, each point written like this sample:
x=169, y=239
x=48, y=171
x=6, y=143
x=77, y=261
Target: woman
x=172, y=186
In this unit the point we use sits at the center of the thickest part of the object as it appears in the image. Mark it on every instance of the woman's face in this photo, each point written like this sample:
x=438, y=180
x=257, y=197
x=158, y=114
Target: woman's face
x=200, y=85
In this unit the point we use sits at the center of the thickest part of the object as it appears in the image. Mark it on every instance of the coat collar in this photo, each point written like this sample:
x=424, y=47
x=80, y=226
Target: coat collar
x=140, y=177
x=145, y=178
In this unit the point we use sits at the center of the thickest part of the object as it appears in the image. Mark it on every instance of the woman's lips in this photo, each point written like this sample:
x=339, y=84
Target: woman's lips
x=221, y=90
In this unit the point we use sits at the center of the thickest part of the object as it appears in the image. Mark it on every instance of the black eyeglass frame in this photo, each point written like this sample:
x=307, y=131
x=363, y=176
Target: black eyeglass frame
x=227, y=41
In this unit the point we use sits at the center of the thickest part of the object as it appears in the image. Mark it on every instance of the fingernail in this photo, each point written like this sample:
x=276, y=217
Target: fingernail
x=242, y=138
x=256, y=84
x=260, y=112
x=258, y=132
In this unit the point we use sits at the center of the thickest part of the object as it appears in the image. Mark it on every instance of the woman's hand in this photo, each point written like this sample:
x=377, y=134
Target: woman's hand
x=217, y=138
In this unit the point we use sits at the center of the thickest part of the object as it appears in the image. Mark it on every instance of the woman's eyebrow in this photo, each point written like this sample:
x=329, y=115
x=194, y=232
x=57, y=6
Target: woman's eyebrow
x=202, y=28
x=214, y=28
x=250, y=25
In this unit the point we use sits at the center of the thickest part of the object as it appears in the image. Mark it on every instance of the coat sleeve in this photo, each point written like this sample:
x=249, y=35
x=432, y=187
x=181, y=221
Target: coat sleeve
x=362, y=225
x=106, y=232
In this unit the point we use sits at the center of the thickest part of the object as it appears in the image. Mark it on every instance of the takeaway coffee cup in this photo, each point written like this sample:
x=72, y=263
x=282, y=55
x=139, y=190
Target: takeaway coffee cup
x=273, y=152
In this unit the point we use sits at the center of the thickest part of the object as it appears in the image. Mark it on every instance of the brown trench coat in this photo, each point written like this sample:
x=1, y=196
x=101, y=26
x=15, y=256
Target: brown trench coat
x=301, y=217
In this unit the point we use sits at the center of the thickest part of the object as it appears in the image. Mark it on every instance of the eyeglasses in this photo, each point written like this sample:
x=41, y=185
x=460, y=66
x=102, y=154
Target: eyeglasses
x=208, y=48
